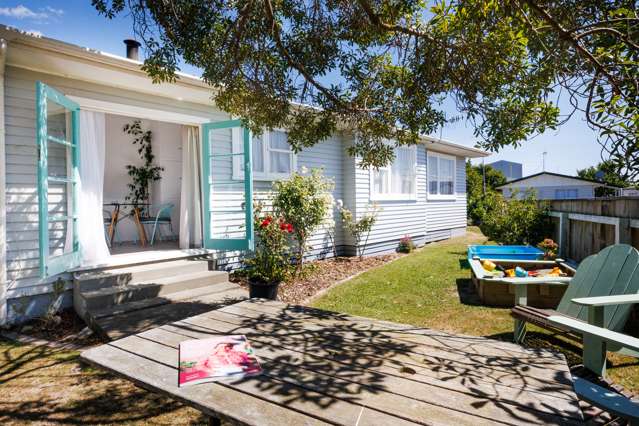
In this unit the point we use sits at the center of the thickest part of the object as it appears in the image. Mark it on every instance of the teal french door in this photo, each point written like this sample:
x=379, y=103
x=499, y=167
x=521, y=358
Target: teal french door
x=58, y=137
x=227, y=186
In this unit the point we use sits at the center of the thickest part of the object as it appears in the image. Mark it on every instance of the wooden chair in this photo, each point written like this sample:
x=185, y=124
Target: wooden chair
x=595, y=344
x=614, y=271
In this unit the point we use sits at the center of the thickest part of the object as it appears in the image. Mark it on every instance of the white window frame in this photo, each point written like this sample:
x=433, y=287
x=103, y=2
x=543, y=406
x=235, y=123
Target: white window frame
x=265, y=175
x=393, y=196
x=432, y=155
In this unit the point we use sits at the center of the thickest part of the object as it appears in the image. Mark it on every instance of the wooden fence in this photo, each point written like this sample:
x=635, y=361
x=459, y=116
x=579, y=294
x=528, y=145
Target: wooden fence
x=584, y=227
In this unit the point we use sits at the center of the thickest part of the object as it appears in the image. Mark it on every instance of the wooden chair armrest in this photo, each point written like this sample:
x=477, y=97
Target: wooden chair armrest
x=622, y=299
x=592, y=330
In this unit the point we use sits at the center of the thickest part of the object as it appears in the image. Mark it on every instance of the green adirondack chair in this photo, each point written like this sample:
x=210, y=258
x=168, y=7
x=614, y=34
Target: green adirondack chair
x=614, y=271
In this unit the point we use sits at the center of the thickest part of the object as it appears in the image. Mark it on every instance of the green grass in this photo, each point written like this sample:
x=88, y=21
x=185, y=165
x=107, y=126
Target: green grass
x=431, y=288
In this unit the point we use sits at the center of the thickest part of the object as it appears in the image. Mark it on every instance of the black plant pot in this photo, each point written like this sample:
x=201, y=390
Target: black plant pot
x=262, y=290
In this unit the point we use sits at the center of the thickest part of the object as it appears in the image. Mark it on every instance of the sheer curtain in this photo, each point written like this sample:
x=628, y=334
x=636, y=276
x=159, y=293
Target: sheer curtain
x=191, y=193
x=91, y=236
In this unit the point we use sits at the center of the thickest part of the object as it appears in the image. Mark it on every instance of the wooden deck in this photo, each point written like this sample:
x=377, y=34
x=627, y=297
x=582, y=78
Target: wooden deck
x=322, y=367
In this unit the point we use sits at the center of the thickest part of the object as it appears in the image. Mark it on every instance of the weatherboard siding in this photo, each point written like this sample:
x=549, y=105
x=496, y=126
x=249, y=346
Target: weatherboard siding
x=443, y=216
x=549, y=192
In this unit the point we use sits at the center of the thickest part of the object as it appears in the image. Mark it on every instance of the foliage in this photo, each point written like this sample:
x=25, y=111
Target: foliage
x=549, y=247
x=406, y=244
x=269, y=263
x=519, y=220
x=386, y=68
x=141, y=176
x=360, y=229
x=610, y=177
x=303, y=200
x=475, y=190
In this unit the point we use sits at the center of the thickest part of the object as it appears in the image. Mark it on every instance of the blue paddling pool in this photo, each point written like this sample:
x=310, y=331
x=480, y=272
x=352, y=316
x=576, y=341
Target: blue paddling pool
x=505, y=252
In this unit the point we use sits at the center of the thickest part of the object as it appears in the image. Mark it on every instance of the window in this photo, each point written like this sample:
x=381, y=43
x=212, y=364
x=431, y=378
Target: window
x=565, y=194
x=272, y=156
x=396, y=181
x=441, y=176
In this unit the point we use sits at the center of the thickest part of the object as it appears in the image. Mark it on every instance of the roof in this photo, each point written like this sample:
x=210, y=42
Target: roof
x=558, y=175
x=77, y=62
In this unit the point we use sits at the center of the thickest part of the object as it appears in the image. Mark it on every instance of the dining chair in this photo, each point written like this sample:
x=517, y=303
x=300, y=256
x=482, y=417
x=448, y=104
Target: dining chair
x=162, y=217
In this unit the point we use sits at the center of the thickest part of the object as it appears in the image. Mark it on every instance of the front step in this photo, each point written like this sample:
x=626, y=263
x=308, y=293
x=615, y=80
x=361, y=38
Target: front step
x=121, y=300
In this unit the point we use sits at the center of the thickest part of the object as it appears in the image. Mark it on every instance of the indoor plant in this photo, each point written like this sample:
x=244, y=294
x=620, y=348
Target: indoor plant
x=269, y=264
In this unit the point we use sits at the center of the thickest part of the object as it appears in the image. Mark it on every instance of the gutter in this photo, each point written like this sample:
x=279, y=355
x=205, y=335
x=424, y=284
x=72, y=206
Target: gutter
x=3, y=190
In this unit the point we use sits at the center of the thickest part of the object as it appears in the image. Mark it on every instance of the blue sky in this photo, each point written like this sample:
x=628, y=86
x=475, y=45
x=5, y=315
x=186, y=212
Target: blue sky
x=569, y=148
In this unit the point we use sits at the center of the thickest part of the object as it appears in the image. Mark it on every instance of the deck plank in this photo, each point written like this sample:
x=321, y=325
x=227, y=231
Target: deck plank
x=326, y=367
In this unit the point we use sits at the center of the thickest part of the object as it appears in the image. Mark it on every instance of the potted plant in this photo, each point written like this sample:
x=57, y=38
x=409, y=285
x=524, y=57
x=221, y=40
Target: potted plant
x=269, y=264
x=549, y=247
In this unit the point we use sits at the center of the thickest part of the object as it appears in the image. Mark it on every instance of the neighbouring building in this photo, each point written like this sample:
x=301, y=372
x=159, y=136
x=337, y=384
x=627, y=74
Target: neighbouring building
x=553, y=186
x=510, y=169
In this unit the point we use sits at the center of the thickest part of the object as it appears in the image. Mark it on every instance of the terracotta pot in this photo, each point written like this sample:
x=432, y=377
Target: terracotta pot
x=262, y=290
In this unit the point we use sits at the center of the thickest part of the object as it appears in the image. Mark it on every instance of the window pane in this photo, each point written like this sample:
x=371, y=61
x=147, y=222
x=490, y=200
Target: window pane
x=446, y=169
x=279, y=140
x=380, y=181
x=258, y=153
x=279, y=162
x=433, y=174
x=403, y=171
x=446, y=187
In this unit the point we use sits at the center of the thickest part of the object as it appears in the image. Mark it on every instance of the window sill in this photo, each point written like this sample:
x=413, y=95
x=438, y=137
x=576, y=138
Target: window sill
x=393, y=197
x=266, y=178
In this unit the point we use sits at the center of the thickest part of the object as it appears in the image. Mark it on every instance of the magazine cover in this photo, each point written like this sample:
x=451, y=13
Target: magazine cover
x=207, y=360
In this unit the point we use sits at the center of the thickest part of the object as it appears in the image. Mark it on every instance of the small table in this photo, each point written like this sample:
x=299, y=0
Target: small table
x=328, y=368
x=115, y=214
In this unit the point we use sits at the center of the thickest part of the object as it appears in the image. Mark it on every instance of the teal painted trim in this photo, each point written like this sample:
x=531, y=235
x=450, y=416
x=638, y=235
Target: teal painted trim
x=53, y=265
x=60, y=141
x=248, y=188
x=43, y=183
x=208, y=183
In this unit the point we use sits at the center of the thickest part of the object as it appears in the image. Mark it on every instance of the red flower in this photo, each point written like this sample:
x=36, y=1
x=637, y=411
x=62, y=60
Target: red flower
x=266, y=222
x=289, y=228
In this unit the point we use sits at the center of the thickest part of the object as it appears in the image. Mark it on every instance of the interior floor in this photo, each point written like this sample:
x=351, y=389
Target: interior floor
x=133, y=247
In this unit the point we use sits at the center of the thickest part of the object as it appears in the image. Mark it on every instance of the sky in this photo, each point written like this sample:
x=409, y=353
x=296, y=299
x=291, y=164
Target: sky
x=572, y=146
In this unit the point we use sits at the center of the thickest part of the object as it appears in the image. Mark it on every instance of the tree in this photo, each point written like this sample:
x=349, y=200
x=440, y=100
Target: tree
x=475, y=188
x=605, y=172
x=384, y=67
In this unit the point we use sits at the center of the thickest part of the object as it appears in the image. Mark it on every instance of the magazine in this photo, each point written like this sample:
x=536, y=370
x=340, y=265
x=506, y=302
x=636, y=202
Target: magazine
x=216, y=358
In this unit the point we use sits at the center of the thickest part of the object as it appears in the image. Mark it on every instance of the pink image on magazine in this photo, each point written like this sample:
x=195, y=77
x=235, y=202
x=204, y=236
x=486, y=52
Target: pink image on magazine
x=216, y=358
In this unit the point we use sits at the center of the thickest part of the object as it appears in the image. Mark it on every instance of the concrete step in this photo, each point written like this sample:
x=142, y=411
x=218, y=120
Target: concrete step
x=109, y=296
x=121, y=325
x=190, y=295
x=118, y=277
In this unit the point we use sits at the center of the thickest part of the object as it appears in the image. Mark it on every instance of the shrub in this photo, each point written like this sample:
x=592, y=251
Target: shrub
x=303, y=200
x=406, y=244
x=269, y=262
x=360, y=230
x=515, y=221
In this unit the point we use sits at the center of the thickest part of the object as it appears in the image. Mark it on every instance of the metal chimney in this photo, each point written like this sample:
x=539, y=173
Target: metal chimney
x=132, y=49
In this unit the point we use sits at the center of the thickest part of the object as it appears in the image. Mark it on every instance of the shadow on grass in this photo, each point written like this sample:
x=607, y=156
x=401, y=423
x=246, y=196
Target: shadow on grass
x=70, y=393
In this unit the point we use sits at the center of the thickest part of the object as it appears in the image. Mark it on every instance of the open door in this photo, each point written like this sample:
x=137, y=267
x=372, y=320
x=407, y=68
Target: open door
x=227, y=186
x=57, y=135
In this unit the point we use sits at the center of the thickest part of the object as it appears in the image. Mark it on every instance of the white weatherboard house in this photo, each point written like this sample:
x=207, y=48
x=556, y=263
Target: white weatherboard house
x=63, y=153
x=553, y=186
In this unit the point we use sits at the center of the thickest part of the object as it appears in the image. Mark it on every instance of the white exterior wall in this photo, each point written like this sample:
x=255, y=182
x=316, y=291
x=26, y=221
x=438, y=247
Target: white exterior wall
x=548, y=192
x=446, y=218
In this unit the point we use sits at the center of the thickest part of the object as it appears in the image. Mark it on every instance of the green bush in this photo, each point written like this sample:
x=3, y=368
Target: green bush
x=515, y=221
x=304, y=201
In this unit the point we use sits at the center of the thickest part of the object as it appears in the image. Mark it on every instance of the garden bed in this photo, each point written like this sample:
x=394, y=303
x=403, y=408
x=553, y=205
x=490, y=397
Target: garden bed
x=322, y=274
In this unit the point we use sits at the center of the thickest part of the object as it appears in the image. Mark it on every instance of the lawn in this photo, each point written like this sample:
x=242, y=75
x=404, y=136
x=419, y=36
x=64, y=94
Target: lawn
x=431, y=288
x=40, y=385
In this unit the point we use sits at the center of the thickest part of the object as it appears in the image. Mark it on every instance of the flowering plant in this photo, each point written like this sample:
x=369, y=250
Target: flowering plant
x=360, y=229
x=406, y=244
x=549, y=247
x=269, y=263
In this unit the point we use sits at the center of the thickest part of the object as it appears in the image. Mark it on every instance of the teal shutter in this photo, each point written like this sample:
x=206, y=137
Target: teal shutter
x=58, y=138
x=227, y=186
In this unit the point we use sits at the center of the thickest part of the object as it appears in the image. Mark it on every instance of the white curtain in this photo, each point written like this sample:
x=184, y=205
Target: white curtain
x=191, y=193
x=91, y=235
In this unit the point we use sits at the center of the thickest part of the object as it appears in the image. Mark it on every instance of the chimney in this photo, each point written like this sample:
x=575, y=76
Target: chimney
x=132, y=47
